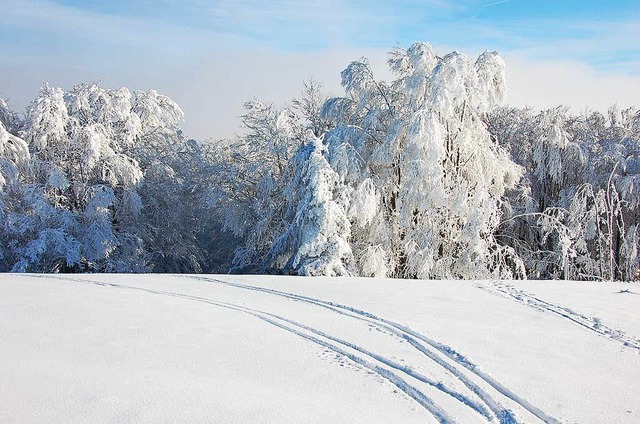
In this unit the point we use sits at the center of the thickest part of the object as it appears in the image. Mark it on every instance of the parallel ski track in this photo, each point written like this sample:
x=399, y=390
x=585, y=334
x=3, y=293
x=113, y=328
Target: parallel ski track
x=410, y=390
x=591, y=324
x=505, y=416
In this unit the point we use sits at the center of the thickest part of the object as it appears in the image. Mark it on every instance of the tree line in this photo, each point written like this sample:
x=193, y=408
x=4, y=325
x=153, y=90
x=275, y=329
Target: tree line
x=428, y=175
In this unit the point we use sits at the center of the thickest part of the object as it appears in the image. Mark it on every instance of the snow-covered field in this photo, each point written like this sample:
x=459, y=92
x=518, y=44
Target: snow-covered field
x=263, y=349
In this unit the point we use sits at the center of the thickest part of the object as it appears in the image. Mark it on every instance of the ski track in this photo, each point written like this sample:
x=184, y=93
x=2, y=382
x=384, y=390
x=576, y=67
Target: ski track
x=505, y=416
x=592, y=324
x=410, y=390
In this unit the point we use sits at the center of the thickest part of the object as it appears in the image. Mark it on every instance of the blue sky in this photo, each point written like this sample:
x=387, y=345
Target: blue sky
x=229, y=50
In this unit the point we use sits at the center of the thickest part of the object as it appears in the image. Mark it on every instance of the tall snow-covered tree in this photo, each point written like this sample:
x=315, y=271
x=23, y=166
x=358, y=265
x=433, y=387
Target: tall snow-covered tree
x=315, y=241
x=434, y=175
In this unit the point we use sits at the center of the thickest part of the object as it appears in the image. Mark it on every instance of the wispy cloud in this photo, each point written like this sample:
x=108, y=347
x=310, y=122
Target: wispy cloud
x=51, y=16
x=187, y=28
x=495, y=3
x=603, y=45
x=73, y=29
x=295, y=24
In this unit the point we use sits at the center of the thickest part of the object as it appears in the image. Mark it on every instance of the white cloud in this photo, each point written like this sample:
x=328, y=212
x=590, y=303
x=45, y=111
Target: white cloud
x=544, y=84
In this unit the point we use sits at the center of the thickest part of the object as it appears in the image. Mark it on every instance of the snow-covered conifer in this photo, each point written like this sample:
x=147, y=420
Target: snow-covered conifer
x=316, y=241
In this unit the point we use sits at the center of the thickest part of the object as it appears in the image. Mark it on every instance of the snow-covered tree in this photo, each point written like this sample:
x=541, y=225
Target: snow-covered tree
x=14, y=152
x=574, y=214
x=316, y=240
x=175, y=217
x=112, y=184
x=435, y=176
x=14, y=160
x=422, y=176
x=251, y=175
x=80, y=164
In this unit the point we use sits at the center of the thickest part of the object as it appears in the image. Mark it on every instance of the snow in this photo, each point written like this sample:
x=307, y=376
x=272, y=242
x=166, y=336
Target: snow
x=262, y=349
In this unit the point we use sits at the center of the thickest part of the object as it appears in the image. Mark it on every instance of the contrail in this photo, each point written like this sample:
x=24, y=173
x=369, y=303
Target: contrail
x=496, y=3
